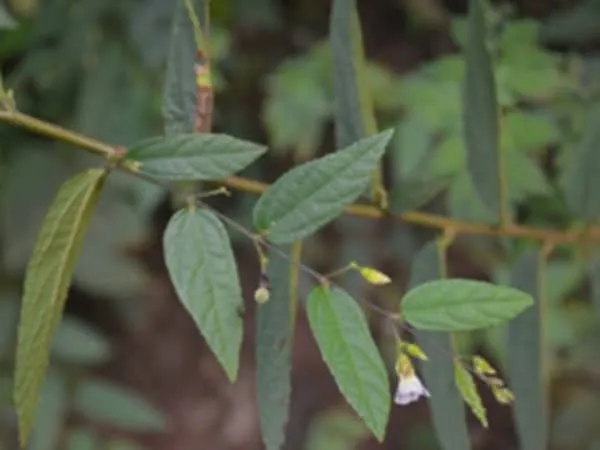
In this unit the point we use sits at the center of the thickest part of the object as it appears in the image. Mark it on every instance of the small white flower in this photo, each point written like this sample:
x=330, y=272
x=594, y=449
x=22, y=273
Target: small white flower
x=409, y=390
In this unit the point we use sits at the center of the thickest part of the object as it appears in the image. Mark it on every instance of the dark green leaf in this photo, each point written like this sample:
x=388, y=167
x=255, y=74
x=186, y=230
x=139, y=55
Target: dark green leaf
x=447, y=409
x=461, y=305
x=353, y=104
x=52, y=413
x=468, y=390
x=481, y=112
x=202, y=267
x=79, y=344
x=526, y=353
x=312, y=194
x=105, y=402
x=194, y=157
x=273, y=355
x=343, y=337
x=46, y=284
x=582, y=184
x=179, y=101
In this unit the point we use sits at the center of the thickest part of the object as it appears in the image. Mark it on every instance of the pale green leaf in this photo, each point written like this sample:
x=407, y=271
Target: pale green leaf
x=468, y=390
x=351, y=355
x=105, y=402
x=202, y=267
x=193, y=157
x=481, y=112
x=179, y=98
x=353, y=104
x=447, y=409
x=527, y=131
x=412, y=142
x=312, y=194
x=273, y=354
x=461, y=305
x=6, y=19
x=47, y=282
x=79, y=344
x=582, y=183
x=465, y=204
x=335, y=430
x=526, y=354
x=524, y=177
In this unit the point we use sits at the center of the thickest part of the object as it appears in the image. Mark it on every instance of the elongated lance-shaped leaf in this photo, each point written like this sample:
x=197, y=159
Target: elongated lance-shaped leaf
x=462, y=305
x=179, y=101
x=314, y=193
x=353, y=105
x=202, y=267
x=582, y=184
x=526, y=354
x=193, y=157
x=274, y=333
x=343, y=337
x=47, y=281
x=481, y=114
x=447, y=407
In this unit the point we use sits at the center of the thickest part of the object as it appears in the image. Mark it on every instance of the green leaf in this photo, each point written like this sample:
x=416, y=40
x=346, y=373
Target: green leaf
x=179, y=100
x=335, y=430
x=46, y=284
x=524, y=177
x=526, y=131
x=52, y=413
x=79, y=344
x=193, y=157
x=312, y=194
x=582, y=183
x=81, y=439
x=103, y=401
x=273, y=354
x=202, y=267
x=526, y=354
x=461, y=305
x=575, y=26
x=353, y=104
x=351, y=355
x=447, y=409
x=411, y=144
x=468, y=390
x=481, y=112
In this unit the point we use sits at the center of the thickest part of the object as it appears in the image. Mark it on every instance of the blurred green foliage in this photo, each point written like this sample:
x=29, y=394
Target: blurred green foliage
x=98, y=66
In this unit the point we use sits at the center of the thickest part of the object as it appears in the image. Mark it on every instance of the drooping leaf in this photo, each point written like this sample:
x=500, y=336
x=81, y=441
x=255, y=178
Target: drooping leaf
x=526, y=354
x=193, y=157
x=179, y=100
x=52, y=413
x=46, y=284
x=582, y=184
x=273, y=354
x=105, y=402
x=461, y=305
x=353, y=105
x=78, y=343
x=312, y=194
x=468, y=389
x=447, y=409
x=481, y=112
x=202, y=267
x=343, y=337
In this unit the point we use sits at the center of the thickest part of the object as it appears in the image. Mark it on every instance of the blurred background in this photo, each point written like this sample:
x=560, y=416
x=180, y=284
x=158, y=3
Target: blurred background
x=129, y=369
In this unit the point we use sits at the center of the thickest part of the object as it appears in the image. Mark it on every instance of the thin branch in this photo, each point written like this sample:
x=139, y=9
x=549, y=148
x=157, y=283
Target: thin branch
x=422, y=219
